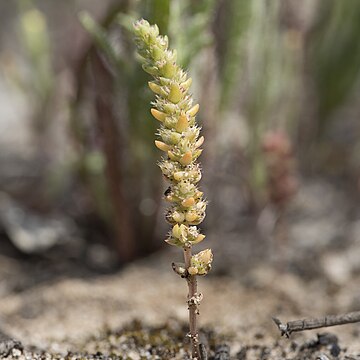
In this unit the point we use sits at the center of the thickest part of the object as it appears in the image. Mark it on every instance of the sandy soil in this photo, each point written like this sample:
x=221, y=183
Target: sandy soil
x=69, y=314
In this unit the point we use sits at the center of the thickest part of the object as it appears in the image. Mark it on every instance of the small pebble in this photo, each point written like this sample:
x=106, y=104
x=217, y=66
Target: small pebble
x=322, y=357
x=335, y=350
x=241, y=355
x=222, y=352
x=327, y=339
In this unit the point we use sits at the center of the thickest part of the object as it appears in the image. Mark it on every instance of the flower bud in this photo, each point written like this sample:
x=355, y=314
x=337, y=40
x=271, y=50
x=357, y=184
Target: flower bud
x=174, y=242
x=178, y=217
x=141, y=27
x=198, y=239
x=199, y=142
x=202, y=261
x=176, y=231
x=170, y=108
x=184, y=187
x=194, y=110
x=178, y=176
x=152, y=70
x=157, y=53
x=162, y=146
x=154, y=30
x=192, y=270
x=158, y=115
x=156, y=88
x=197, y=153
x=186, y=158
x=205, y=256
x=168, y=70
x=186, y=84
x=175, y=93
x=170, y=198
x=188, y=202
x=175, y=138
x=182, y=123
x=191, y=216
x=172, y=156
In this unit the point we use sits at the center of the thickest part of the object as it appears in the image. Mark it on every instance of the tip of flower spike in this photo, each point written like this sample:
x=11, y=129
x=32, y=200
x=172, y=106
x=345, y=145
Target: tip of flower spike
x=141, y=27
x=139, y=23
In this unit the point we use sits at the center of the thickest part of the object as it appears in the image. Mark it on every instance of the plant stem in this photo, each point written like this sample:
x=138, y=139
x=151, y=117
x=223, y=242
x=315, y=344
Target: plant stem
x=192, y=306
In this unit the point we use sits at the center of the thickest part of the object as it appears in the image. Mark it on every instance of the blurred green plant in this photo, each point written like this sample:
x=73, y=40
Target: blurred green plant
x=39, y=80
x=231, y=48
x=334, y=55
x=270, y=80
x=131, y=104
x=332, y=66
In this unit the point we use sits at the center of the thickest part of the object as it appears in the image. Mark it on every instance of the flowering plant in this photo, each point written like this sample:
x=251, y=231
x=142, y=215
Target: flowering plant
x=181, y=142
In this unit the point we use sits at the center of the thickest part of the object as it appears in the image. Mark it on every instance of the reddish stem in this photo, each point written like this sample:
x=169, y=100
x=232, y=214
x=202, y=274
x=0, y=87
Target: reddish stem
x=193, y=310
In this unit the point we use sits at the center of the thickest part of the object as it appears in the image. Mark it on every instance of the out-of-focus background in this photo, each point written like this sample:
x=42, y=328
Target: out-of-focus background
x=80, y=192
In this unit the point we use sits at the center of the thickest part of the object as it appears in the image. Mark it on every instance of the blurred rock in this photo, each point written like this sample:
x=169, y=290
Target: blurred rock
x=315, y=220
x=7, y=345
x=337, y=268
x=30, y=232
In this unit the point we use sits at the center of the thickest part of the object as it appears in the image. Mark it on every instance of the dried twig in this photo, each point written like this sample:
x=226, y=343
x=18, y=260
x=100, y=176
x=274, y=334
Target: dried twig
x=316, y=323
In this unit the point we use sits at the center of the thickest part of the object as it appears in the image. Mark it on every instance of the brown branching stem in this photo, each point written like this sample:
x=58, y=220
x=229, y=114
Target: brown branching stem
x=316, y=323
x=106, y=122
x=192, y=306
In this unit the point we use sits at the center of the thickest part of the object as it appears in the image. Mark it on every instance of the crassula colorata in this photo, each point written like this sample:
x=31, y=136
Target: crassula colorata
x=180, y=141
